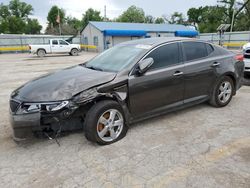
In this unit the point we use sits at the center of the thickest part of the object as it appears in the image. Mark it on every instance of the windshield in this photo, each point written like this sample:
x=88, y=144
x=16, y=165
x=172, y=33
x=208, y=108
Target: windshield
x=116, y=58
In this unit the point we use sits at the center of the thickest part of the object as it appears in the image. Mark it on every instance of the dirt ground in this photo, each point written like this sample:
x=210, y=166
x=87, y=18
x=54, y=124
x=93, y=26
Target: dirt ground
x=198, y=147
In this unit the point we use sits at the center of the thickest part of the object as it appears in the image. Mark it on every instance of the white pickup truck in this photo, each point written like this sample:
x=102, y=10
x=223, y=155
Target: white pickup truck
x=246, y=53
x=55, y=46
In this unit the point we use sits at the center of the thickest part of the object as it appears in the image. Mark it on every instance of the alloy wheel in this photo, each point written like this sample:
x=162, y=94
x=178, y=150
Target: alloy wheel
x=225, y=92
x=110, y=125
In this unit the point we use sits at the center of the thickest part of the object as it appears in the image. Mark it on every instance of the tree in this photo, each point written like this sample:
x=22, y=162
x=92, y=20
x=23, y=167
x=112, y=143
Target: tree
x=177, y=18
x=233, y=8
x=207, y=18
x=14, y=18
x=72, y=26
x=159, y=20
x=53, y=14
x=91, y=15
x=33, y=26
x=243, y=22
x=149, y=19
x=20, y=9
x=195, y=15
x=133, y=15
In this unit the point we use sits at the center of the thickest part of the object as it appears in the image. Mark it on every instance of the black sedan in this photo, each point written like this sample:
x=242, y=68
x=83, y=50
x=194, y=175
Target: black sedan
x=127, y=83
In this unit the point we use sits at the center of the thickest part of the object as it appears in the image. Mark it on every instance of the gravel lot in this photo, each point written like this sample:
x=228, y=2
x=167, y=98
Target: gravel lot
x=197, y=147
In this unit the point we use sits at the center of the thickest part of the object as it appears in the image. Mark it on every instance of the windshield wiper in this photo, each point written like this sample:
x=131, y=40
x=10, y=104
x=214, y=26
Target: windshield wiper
x=94, y=68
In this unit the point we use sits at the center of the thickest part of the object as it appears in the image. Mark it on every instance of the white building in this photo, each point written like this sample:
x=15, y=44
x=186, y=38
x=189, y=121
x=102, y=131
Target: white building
x=104, y=35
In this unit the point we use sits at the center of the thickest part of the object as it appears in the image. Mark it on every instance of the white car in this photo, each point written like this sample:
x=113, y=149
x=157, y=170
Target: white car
x=55, y=46
x=246, y=52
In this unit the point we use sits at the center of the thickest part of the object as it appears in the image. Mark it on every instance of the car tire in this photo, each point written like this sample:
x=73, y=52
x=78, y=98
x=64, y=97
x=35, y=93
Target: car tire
x=222, y=92
x=41, y=53
x=100, y=127
x=74, y=52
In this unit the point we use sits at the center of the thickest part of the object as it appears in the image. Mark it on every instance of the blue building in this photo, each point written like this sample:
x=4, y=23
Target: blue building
x=107, y=34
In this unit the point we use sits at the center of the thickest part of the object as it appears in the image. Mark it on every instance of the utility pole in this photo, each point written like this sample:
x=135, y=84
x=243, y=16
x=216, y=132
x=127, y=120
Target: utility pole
x=233, y=18
x=105, y=13
x=232, y=24
x=58, y=20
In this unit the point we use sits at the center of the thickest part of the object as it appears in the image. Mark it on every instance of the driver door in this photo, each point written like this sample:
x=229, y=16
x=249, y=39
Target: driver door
x=162, y=86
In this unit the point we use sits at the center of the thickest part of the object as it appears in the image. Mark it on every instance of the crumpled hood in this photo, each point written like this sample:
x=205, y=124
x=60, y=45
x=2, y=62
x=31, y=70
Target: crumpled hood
x=61, y=85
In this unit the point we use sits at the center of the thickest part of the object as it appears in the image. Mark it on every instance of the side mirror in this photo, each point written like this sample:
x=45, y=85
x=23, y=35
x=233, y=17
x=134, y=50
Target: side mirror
x=144, y=65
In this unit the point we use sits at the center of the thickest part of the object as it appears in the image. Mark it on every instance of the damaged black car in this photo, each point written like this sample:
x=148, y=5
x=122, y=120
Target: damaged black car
x=130, y=82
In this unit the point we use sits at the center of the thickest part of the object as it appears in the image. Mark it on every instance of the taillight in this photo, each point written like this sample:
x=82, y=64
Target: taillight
x=239, y=57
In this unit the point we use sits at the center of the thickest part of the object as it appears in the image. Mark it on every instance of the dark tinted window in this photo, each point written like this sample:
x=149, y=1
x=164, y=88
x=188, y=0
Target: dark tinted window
x=55, y=42
x=165, y=56
x=195, y=50
x=210, y=48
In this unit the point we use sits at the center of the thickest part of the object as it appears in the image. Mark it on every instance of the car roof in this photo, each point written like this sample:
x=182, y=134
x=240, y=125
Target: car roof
x=157, y=41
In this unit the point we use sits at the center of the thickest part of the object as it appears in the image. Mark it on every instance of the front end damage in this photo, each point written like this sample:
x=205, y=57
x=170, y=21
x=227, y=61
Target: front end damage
x=27, y=118
x=51, y=118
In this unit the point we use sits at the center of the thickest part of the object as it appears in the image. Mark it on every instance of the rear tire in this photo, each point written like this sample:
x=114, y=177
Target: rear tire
x=105, y=123
x=222, y=92
x=74, y=52
x=41, y=53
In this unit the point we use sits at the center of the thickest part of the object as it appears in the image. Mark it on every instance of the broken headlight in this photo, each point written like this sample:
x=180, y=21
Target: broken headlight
x=26, y=108
x=56, y=106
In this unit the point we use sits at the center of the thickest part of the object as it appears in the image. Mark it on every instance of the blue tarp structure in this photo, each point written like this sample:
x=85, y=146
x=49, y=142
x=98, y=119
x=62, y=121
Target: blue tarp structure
x=132, y=33
x=191, y=33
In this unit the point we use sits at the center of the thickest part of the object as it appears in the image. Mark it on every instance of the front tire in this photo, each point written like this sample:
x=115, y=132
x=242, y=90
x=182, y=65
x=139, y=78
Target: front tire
x=105, y=123
x=222, y=93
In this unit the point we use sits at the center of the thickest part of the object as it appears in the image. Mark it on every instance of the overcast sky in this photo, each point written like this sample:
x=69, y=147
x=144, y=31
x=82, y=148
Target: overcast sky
x=76, y=8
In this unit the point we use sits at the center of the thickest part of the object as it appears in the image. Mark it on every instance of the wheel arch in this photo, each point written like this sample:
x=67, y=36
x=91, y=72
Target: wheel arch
x=228, y=74
x=74, y=48
x=112, y=97
x=233, y=78
x=41, y=49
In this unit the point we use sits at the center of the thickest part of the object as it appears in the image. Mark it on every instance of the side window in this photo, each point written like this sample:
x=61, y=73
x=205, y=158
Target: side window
x=85, y=41
x=63, y=42
x=164, y=56
x=54, y=42
x=95, y=41
x=195, y=50
x=210, y=49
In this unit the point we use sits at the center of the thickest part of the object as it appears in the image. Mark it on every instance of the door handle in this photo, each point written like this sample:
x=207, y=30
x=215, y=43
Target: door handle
x=215, y=64
x=178, y=73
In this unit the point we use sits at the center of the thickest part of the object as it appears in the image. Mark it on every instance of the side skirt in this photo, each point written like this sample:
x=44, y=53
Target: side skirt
x=167, y=109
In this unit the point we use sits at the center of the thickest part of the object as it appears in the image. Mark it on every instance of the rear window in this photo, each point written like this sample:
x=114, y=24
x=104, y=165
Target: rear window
x=54, y=42
x=195, y=50
x=210, y=49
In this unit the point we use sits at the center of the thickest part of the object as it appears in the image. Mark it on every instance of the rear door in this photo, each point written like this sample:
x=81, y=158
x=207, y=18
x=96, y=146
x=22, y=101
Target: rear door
x=200, y=70
x=162, y=85
x=55, y=48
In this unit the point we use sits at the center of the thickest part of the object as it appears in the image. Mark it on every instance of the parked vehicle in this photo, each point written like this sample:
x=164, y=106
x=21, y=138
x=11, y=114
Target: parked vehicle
x=246, y=52
x=130, y=82
x=55, y=46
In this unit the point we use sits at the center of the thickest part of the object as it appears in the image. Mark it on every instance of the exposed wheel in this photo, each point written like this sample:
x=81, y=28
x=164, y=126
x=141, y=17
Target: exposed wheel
x=41, y=53
x=74, y=52
x=105, y=123
x=222, y=93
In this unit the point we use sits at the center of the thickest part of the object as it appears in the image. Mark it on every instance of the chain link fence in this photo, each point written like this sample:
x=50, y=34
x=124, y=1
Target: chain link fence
x=229, y=39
